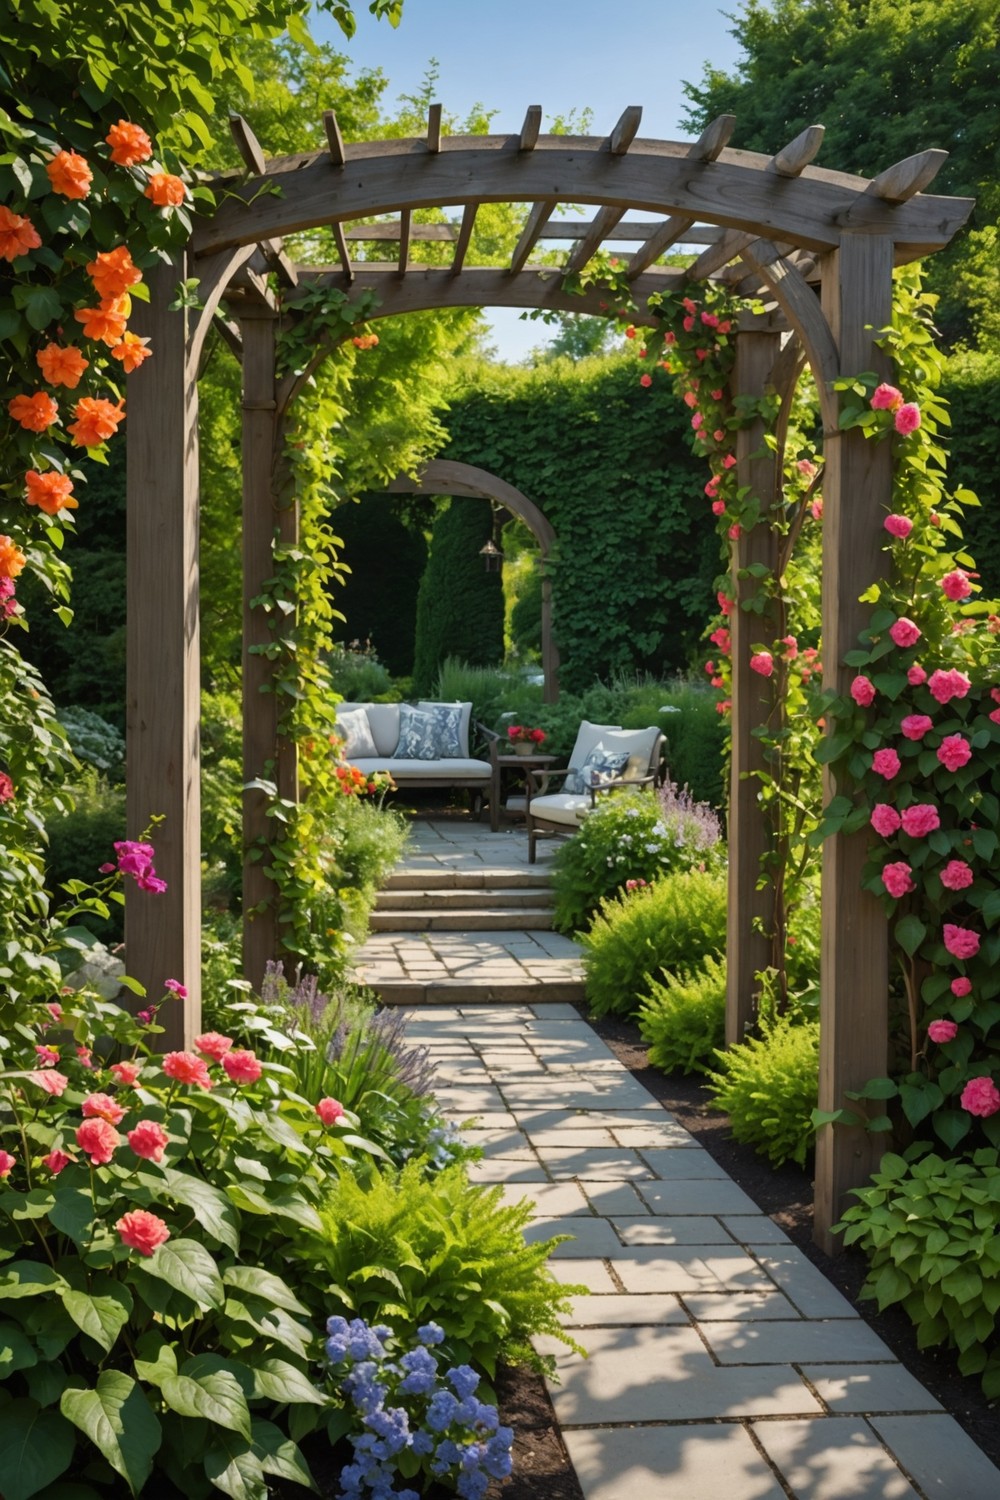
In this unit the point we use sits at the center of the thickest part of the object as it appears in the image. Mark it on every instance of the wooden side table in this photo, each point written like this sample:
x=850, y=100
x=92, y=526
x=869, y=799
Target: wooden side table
x=503, y=763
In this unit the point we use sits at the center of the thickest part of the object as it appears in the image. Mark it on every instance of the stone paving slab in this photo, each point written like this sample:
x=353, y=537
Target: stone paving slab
x=689, y=1462
x=943, y=1459
x=877, y=1388
x=836, y=1342
x=838, y=1458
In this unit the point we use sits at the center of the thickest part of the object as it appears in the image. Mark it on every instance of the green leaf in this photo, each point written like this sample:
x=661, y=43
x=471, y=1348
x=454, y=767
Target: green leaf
x=117, y=1418
x=278, y=1456
x=40, y=304
x=952, y=1125
x=187, y=1267
x=101, y=1317
x=72, y=1213
x=277, y=1380
x=232, y=1466
x=212, y=1209
x=28, y=1278
x=17, y=1352
x=36, y=1446
x=265, y=1284
x=216, y=1396
x=909, y=933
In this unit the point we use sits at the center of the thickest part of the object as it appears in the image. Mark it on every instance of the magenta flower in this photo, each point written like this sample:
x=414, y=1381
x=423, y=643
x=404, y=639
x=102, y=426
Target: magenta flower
x=961, y=986
x=886, y=763
x=898, y=879
x=763, y=663
x=954, y=752
x=176, y=988
x=980, y=1097
x=863, y=691
x=915, y=726
x=904, y=632
x=942, y=1031
x=920, y=820
x=947, y=685
x=916, y=675
x=956, y=585
x=961, y=942
x=957, y=875
x=886, y=398
x=7, y=1163
x=885, y=819
x=907, y=419
x=898, y=526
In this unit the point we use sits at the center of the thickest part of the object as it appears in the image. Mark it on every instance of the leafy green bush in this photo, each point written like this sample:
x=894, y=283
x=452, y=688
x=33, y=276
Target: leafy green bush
x=460, y=605
x=768, y=1086
x=358, y=675
x=930, y=1227
x=94, y=740
x=409, y=1251
x=684, y=1018
x=697, y=742
x=628, y=837
x=674, y=924
x=368, y=840
x=81, y=840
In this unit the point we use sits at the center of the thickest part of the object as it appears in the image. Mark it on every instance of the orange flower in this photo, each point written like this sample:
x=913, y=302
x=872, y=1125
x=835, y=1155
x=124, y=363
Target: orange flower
x=165, y=191
x=69, y=174
x=131, y=351
x=105, y=323
x=96, y=421
x=34, y=413
x=61, y=366
x=129, y=144
x=113, y=273
x=12, y=559
x=51, y=492
x=17, y=235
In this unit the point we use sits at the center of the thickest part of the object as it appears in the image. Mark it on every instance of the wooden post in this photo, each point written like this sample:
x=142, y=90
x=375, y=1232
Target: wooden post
x=266, y=756
x=750, y=911
x=163, y=932
x=857, y=493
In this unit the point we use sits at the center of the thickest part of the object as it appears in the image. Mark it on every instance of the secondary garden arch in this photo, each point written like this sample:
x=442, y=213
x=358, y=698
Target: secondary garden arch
x=818, y=246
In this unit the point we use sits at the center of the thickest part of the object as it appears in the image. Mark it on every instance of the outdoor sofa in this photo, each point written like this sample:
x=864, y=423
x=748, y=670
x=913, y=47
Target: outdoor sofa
x=421, y=745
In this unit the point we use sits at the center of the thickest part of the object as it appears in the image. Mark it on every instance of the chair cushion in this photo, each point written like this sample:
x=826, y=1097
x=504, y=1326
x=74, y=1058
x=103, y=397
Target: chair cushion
x=464, y=721
x=449, y=769
x=355, y=728
x=560, y=807
x=383, y=721
x=587, y=736
x=640, y=745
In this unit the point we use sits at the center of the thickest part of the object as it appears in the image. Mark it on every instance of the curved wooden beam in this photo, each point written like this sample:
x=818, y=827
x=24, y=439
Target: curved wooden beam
x=801, y=307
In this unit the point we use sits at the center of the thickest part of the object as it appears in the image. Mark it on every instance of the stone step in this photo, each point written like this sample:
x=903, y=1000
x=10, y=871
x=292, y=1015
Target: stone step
x=438, y=899
x=487, y=992
x=486, y=919
x=464, y=880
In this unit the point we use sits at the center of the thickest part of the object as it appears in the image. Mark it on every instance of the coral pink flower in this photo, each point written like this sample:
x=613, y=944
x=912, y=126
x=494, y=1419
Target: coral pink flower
x=886, y=398
x=176, y=988
x=242, y=1066
x=898, y=879
x=961, y=942
x=947, y=685
x=51, y=1081
x=863, y=691
x=961, y=986
x=886, y=763
x=165, y=190
x=915, y=726
x=957, y=875
x=885, y=819
x=718, y=507
x=83, y=1057
x=102, y=1107
x=142, y=1231
x=916, y=675
x=329, y=1111
x=904, y=632
x=213, y=1044
x=907, y=419
x=47, y=1056
x=721, y=638
x=98, y=1139
x=7, y=1163
x=725, y=603
x=899, y=526
x=126, y=1072
x=956, y=585
x=920, y=820
x=763, y=663
x=149, y=1139
x=187, y=1068
x=129, y=144
x=942, y=1031
x=980, y=1097
x=35, y=412
x=17, y=234
x=55, y=1010
x=645, y=380
x=55, y=1161
x=954, y=752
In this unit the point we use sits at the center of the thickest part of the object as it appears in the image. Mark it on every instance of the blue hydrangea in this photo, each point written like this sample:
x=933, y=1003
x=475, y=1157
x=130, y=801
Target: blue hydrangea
x=431, y=1333
x=463, y=1381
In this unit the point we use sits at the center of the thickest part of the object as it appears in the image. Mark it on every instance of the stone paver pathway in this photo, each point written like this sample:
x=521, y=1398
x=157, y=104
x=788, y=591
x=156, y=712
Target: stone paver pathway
x=722, y=1365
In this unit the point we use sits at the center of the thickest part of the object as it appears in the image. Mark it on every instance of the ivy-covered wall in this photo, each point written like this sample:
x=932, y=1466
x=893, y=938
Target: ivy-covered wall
x=378, y=597
x=460, y=605
x=607, y=462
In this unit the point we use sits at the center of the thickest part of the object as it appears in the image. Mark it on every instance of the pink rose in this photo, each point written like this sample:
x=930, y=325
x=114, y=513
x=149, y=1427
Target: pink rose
x=55, y=1010
x=886, y=398
x=863, y=691
x=898, y=879
x=885, y=819
x=961, y=942
x=187, y=1068
x=942, y=1031
x=956, y=585
x=961, y=986
x=916, y=675
x=904, y=632
x=149, y=1140
x=886, y=763
x=718, y=507
x=176, y=988
x=51, y=1081
x=763, y=663
x=915, y=726
x=55, y=1161
x=213, y=1044
x=899, y=526
x=947, y=685
x=242, y=1066
x=142, y=1231
x=907, y=419
x=920, y=820
x=329, y=1111
x=102, y=1106
x=956, y=875
x=126, y=1072
x=98, y=1139
x=46, y=1057
x=980, y=1097
x=954, y=752
x=7, y=1163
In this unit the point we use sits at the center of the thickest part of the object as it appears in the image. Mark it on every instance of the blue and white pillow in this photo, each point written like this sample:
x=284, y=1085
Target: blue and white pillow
x=600, y=766
x=428, y=734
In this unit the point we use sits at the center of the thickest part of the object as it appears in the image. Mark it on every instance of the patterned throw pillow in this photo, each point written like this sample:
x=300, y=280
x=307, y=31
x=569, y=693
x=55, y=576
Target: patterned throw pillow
x=428, y=734
x=354, y=726
x=602, y=765
x=447, y=719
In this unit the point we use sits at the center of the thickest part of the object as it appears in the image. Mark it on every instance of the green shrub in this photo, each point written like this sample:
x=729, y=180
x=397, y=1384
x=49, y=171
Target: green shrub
x=358, y=675
x=368, y=840
x=407, y=1251
x=628, y=837
x=82, y=840
x=697, y=742
x=931, y=1229
x=460, y=605
x=94, y=740
x=674, y=924
x=684, y=1018
x=768, y=1086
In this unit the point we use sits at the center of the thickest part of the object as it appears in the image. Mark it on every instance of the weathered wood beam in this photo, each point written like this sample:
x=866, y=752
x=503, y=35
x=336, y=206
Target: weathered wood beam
x=229, y=332
x=802, y=308
x=405, y=220
x=626, y=130
x=390, y=231
x=707, y=148
x=714, y=139
x=713, y=259
x=529, y=130
x=334, y=139
x=629, y=229
x=280, y=262
x=792, y=160
x=464, y=237
x=248, y=145
x=904, y=179
x=340, y=240
x=538, y=217
x=434, y=128
x=597, y=231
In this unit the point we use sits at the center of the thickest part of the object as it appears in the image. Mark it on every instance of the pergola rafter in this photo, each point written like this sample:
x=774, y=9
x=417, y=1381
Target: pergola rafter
x=818, y=246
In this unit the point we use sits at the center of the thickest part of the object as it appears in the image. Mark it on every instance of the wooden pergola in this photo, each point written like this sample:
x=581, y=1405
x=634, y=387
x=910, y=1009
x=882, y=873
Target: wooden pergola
x=817, y=246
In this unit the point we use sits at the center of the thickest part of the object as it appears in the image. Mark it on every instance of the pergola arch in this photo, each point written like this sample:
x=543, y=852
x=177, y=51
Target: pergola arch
x=816, y=246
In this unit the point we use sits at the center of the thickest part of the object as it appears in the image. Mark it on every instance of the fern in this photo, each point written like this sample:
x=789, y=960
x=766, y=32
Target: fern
x=684, y=1019
x=672, y=925
x=769, y=1086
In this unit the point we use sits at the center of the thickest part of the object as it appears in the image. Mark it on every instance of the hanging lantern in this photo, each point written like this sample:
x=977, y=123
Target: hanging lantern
x=493, y=556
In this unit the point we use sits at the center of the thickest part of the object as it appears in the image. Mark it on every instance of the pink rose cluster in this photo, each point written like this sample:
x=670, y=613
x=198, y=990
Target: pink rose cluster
x=942, y=1031
x=136, y=859
x=954, y=752
x=944, y=686
x=906, y=414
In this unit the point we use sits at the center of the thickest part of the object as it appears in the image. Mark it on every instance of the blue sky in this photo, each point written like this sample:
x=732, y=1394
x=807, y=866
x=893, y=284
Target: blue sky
x=561, y=54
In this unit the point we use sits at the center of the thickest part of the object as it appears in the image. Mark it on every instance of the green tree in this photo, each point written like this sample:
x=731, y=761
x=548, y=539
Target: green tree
x=460, y=605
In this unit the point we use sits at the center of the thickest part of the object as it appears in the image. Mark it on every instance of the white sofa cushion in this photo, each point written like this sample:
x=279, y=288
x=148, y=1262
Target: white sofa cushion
x=357, y=733
x=561, y=807
x=451, y=769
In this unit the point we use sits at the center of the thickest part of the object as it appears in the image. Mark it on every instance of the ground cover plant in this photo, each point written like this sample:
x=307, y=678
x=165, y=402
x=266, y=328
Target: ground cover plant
x=768, y=1085
x=683, y=1018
